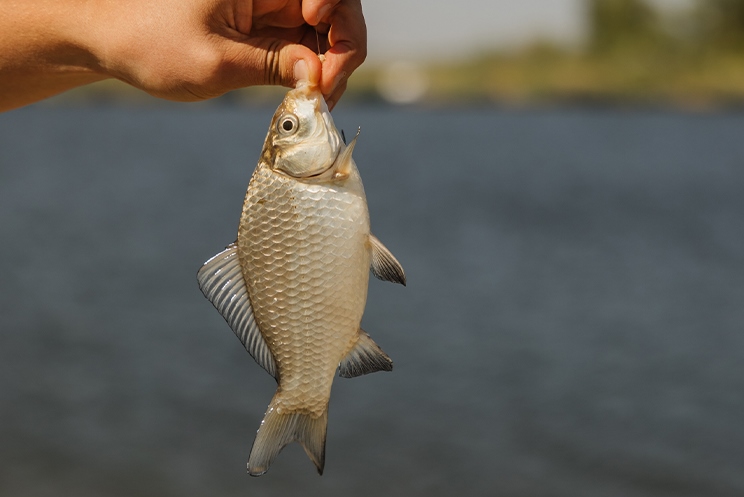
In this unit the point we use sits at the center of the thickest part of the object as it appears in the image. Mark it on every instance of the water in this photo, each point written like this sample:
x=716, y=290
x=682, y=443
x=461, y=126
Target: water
x=572, y=324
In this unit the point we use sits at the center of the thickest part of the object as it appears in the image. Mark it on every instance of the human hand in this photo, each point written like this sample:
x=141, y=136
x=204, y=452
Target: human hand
x=177, y=49
x=338, y=31
x=199, y=49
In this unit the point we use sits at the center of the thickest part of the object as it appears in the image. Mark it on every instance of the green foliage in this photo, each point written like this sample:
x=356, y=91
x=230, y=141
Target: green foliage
x=634, y=26
x=634, y=52
x=621, y=25
x=720, y=24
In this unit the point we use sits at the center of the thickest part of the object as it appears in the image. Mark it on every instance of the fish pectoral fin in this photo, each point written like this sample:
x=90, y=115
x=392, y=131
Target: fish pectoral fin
x=364, y=357
x=384, y=264
x=279, y=429
x=221, y=281
x=343, y=163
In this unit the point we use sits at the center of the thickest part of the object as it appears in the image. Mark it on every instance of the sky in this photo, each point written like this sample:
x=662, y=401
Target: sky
x=437, y=29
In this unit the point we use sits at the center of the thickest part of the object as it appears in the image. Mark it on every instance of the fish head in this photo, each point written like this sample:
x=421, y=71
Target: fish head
x=303, y=141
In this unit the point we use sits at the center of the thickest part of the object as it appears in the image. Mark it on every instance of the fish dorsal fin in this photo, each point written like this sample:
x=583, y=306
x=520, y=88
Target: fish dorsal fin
x=364, y=357
x=384, y=264
x=221, y=281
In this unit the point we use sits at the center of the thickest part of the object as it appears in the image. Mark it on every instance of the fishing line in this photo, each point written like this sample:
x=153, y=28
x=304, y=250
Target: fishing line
x=317, y=42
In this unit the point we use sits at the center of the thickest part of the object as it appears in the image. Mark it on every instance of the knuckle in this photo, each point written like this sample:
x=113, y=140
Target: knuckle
x=209, y=66
x=205, y=79
x=272, y=64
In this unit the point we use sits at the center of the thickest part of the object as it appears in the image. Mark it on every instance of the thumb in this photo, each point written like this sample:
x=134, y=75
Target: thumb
x=270, y=61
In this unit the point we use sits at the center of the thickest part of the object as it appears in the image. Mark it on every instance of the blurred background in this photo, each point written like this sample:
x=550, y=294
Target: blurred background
x=561, y=180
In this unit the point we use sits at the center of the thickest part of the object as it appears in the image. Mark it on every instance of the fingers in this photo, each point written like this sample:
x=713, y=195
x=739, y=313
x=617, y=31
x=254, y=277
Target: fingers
x=269, y=61
x=280, y=49
x=347, y=38
x=333, y=98
x=316, y=11
x=348, y=41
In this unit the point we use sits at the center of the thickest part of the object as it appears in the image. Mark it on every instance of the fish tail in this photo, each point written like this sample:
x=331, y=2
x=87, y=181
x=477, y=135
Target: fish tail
x=279, y=429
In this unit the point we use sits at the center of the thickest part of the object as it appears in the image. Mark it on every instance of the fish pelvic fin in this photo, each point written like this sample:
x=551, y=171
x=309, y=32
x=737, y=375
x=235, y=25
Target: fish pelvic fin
x=281, y=428
x=364, y=357
x=384, y=264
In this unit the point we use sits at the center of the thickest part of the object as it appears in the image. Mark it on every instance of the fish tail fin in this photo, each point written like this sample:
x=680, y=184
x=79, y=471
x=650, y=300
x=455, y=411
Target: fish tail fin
x=279, y=429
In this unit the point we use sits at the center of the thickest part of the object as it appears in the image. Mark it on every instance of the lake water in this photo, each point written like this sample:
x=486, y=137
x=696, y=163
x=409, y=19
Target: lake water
x=573, y=323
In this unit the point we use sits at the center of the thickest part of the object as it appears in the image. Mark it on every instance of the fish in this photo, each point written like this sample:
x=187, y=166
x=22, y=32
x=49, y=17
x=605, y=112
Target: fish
x=293, y=286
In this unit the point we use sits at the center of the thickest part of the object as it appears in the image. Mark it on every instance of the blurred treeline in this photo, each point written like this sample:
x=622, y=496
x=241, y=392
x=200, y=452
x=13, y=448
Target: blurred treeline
x=634, y=50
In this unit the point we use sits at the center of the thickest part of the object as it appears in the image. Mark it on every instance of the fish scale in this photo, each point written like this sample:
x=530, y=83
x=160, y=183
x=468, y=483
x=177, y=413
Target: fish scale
x=318, y=292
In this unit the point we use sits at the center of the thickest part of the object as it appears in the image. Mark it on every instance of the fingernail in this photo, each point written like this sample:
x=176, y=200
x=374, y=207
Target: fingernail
x=322, y=13
x=337, y=80
x=301, y=71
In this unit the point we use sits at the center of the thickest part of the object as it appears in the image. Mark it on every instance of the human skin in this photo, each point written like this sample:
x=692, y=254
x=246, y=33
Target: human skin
x=183, y=50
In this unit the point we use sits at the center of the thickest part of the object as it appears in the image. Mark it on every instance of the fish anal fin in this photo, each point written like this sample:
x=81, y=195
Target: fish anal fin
x=384, y=264
x=281, y=428
x=364, y=357
x=221, y=281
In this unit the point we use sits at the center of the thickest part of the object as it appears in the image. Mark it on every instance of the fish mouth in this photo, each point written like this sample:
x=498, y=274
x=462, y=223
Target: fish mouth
x=334, y=140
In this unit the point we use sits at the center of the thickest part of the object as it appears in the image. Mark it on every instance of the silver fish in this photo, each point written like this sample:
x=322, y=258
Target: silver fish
x=294, y=285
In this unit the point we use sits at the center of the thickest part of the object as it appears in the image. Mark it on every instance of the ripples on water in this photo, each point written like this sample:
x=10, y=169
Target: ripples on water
x=571, y=327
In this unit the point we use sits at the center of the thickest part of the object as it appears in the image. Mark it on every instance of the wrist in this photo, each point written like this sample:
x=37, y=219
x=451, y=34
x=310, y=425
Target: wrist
x=73, y=28
x=44, y=50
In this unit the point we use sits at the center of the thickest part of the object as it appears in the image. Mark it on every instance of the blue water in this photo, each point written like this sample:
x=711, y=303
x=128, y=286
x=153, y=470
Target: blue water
x=572, y=324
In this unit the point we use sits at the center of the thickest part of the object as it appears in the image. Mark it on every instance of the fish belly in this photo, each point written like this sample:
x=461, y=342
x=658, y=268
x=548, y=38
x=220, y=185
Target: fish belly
x=305, y=257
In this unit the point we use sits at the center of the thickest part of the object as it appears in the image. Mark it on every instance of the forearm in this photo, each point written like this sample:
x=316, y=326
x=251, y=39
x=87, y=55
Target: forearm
x=43, y=50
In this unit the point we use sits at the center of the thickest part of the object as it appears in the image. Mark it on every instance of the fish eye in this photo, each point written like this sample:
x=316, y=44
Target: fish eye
x=288, y=125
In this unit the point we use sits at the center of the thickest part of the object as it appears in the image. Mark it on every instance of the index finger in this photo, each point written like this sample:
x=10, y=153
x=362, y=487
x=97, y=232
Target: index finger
x=315, y=11
x=348, y=46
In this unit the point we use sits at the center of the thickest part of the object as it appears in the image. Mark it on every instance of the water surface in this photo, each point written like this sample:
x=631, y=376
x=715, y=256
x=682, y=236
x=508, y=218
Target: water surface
x=572, y=324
